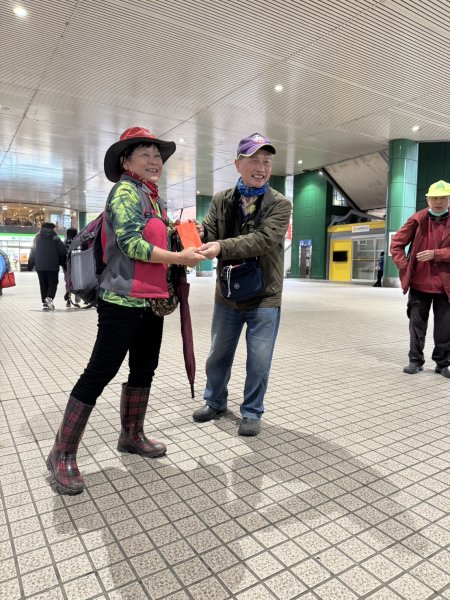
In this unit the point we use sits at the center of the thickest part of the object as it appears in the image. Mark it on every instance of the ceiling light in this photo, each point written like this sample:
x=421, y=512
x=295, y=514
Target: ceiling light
x=198, y=191
x=299, y=162
x=181, y=140
x=278, y=88
x=19, y=11
x=415, y=128
x=320, y=172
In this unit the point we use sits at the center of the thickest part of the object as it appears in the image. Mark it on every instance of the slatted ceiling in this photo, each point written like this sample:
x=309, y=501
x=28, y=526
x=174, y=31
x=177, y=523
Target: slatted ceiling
x=434, y=105
x=298, y=21
x=423, y=118
x=66, y=111
x=397, y=125
x=381, y=44
x=344, y=142
x=432, y=14
x=28, y=44
x=14, y=99
x=90, y=30
x=323, y=104
x=8, y=125
x=361, y=67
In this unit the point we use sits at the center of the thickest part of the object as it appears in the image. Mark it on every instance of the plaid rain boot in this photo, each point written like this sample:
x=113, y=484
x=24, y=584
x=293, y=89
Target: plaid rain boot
x=133, y=406
x=62, y=460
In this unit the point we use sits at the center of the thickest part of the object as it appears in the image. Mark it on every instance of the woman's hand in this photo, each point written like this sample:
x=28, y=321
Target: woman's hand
x=189, y=257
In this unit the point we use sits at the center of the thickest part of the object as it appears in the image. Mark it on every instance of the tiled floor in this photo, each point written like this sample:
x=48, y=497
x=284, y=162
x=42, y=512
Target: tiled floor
x=344, y=495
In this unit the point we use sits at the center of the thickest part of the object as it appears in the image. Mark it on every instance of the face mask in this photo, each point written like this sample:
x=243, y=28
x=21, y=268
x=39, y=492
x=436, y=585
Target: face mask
x=437, y=214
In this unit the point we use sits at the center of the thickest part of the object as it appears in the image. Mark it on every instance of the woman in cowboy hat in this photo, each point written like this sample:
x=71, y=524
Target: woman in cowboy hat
x=136, y=254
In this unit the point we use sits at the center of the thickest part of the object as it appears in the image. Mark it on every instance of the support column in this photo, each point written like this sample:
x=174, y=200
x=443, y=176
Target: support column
x=311, y=215
x=81, y=220
x=205, y=268
x=401, y=198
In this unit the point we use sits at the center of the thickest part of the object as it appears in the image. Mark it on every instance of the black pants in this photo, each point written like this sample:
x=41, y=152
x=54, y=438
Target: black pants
x=48, y=282
x=120, y=330
x=379, y=278
x=419, y=304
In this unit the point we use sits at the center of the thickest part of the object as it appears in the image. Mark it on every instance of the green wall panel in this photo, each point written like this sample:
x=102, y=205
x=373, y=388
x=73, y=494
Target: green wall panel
x=278, y=182
x=311, y=216
x=434, y=164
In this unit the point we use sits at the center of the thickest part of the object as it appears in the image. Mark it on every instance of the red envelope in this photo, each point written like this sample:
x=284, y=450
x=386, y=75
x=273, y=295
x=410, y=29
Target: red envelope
x=188, y=235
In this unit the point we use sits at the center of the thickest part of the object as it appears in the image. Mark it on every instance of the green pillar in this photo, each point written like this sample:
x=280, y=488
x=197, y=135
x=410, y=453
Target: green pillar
x=402, y=195
x=311, y=216
x=81, y=220
x=205, y=268
x=278, y=182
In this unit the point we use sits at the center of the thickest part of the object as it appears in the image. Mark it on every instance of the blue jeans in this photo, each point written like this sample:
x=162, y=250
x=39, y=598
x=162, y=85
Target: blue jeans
x=262, y=328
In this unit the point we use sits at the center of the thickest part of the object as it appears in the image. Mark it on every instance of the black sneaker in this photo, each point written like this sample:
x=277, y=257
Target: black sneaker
x=206, y=413
x=249, y=427
x=412, y=369
x=445, y=372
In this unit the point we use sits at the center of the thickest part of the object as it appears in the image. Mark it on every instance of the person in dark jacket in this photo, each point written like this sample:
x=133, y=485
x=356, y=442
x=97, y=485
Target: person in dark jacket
x=47, y=254
x=380, y=271
x=425, y=272
x=249, y=220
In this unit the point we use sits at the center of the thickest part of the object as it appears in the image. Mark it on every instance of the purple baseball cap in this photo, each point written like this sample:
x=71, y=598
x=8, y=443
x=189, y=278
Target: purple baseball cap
x=252, y=143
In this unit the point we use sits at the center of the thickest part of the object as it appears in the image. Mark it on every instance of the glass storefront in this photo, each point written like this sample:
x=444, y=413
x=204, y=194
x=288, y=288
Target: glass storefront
x=19, y=223
x=365, y=255
x=17, y=247
x=33, y=215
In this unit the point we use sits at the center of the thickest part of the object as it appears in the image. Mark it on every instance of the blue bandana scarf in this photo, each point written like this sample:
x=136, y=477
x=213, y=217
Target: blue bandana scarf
x=247, y=191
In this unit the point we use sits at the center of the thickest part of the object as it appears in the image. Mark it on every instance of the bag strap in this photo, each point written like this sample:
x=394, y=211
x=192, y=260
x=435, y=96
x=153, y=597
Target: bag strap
x=230, y=228
x=232, y=220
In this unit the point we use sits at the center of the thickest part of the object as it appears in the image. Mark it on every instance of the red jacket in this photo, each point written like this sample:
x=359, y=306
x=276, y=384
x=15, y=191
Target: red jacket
x=415, y=231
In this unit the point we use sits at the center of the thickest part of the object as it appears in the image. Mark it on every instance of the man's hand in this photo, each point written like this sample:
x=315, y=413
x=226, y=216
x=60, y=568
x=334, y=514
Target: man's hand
x=209, y=250
x=199, y=227
x=425, y=256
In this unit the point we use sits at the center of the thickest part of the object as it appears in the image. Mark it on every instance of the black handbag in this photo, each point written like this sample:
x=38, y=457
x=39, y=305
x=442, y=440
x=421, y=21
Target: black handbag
x=242, y=282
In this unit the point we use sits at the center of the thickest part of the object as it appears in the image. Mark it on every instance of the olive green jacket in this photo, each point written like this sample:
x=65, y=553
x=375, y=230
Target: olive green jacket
x=267, y=241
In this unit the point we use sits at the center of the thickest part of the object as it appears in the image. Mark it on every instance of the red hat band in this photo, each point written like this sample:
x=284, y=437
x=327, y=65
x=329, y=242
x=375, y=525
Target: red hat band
x=136, y=132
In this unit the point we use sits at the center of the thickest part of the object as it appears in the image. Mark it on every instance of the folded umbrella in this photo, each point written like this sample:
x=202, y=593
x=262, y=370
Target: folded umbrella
x=186, y=328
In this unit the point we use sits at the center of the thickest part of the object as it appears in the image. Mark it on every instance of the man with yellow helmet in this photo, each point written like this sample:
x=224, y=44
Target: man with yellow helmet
x=425, y=271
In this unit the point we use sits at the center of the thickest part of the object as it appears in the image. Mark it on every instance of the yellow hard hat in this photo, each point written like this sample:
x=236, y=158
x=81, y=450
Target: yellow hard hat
x=440, y=188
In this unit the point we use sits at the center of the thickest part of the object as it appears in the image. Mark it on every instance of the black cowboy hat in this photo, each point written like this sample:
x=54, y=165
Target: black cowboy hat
x=131, y=136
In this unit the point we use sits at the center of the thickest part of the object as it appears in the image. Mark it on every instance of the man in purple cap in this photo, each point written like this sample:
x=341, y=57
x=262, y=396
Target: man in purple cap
x=247, y=221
